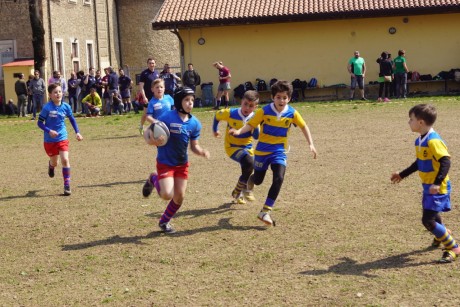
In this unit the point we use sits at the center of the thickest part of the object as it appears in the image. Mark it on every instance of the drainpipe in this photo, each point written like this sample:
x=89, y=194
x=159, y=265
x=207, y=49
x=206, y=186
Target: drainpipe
x=97, y=37
x=117, y=10
x=51, y=37
x=108, y=32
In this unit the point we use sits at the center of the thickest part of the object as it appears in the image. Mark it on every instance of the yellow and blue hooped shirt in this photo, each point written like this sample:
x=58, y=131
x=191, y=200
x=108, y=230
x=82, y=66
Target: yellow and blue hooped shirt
x=236, y=120
x=274, y=128
x=429, y=150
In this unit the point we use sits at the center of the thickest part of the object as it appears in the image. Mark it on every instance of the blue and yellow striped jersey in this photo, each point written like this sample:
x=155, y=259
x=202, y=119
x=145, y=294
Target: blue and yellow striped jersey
x=235, y=119
x=274, y=128
x=429, y=150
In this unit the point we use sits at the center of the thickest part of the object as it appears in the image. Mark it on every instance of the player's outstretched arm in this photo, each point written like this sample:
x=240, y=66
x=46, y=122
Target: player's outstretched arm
x=396, y=178
x=198, y=150
x=307, y=134
x=242, y=130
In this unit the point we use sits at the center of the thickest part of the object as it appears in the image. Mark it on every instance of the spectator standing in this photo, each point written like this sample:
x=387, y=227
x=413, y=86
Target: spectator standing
x=357, y=70
x=98, y=84
x=112, y=86
x=72, y=83
x=224, y=84
x=105, y=96
x=385, y=76
x=125, y=83
x=191, y=78
x=171, y=80
x=29, y=95
x=56, y=78
x=20, y=88
x=37, y=87
x=145, y=81
x=401, y=70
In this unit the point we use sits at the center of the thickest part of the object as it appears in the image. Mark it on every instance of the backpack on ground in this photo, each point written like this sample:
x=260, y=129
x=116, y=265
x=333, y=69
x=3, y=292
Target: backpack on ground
x=239, y=91
x=426, y=77
x=273, y=81
x=296, y=83
x=313, y=82
x=415, y=76
x=248, y=86
x=261, y=85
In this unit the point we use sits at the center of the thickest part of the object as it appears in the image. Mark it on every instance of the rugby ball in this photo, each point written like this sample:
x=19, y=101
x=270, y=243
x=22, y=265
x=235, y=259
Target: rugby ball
x=154, y=131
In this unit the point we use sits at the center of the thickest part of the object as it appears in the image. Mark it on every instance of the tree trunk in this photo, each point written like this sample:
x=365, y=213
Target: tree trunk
x=38, y=34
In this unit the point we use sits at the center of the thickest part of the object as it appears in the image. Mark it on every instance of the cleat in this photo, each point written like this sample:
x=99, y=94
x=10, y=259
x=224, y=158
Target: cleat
x=265, y=217
x=141, y=130
x=166, y=228
x=448, y=256
x=236, y=194
x=240, y=200
x=50, y=171
x=148, y=185
x=67, y=190
x=249, y=195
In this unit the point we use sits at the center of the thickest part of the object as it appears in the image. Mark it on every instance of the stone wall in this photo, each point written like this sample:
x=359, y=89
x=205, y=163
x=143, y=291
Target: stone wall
x=139, y=41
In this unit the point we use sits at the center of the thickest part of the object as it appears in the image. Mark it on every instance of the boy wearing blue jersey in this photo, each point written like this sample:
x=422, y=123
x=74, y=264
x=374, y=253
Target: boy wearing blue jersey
x=56, y=143
x=170, y=180
x=239, y=148
x=275, y=120
x=433, y=163
x=158, y=104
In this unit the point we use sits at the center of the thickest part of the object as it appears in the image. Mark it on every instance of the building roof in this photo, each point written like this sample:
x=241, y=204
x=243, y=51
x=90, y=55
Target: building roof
x=199, y=13
x=19, y=63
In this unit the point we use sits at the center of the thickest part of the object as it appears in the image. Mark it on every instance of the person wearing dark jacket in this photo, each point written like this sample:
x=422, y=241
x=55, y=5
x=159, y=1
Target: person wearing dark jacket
x=191, y=78
x=385, y=76
x=20, y=88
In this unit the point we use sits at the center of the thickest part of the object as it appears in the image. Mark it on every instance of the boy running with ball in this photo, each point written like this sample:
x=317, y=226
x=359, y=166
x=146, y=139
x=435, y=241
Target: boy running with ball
x=170, y=180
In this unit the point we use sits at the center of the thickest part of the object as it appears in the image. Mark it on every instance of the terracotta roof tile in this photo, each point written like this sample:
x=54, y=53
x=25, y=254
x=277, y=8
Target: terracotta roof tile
x=185, y=13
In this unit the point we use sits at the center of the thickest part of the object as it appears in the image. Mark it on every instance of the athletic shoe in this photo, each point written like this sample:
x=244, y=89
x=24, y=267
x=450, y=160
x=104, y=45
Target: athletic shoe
x=250, y=183
x=265, y=217
x=363, y=99
x=240, y=200
x=448, y=256
x=50, y=171
x=249, y=195
x=166, y=228
x=141, y=130
x=236, y=194
x=148, y=185
x=386, y=100
x=67, y=190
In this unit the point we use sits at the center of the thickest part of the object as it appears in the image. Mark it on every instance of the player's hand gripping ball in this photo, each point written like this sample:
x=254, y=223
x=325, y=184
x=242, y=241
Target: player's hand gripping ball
x=157, y=134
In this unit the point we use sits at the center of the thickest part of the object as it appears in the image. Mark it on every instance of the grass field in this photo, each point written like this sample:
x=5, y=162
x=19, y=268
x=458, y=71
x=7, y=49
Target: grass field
x=345, y=236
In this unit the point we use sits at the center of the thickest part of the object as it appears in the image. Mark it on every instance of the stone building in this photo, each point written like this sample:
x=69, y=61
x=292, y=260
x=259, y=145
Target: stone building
x=84, y=33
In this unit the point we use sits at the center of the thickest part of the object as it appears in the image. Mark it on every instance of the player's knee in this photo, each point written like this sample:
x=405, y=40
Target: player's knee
x=429, y=223
x=166, y=195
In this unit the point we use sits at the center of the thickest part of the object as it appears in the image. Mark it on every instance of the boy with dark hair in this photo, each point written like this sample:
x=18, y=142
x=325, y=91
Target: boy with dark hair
x=433, y=163
x=275, y=120
x=239, y=148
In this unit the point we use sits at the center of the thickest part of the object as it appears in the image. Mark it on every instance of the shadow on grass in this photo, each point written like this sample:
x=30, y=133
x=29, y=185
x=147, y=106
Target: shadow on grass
x=117, y=137
x=29, y=194
x=199, y=212
x=222, y=224
x=349, y=266
x=112, y=184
